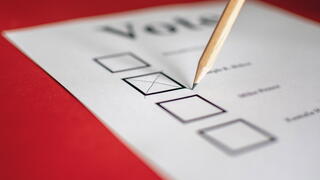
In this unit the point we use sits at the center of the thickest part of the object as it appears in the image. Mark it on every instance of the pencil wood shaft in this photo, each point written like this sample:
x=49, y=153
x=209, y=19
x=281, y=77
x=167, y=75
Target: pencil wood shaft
x=217, y=39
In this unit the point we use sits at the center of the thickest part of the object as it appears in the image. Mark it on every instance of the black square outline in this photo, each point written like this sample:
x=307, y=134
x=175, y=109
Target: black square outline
x=98, y=59
x=181, y=86
x=194, y=119
x=269, y=138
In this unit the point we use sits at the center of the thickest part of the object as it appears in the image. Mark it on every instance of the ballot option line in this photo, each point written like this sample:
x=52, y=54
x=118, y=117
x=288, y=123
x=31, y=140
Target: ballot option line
x=183, y=50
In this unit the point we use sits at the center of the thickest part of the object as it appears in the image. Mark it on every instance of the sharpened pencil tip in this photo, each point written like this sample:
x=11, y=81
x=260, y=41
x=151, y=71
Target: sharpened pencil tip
x=194, y=85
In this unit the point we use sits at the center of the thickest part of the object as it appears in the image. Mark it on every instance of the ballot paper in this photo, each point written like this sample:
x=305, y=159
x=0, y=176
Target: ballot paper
x=256, y=115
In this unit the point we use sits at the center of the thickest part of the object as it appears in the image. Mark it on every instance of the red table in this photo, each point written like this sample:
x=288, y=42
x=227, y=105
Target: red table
x=45, y=133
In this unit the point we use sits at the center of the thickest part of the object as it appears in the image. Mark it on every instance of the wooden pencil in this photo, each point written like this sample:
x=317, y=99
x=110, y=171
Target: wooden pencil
x=217, y=39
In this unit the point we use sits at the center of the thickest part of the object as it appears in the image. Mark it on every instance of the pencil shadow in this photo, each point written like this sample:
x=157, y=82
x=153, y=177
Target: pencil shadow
x=180, y=63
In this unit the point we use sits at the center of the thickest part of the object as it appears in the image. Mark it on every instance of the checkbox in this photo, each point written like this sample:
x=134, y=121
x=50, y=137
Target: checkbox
x=191, y=108
x=236, y=137
x=153, y=83
x=121, y=62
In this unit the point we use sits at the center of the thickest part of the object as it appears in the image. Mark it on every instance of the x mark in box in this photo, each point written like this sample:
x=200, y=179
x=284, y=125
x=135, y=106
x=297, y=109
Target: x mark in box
x=153, y=83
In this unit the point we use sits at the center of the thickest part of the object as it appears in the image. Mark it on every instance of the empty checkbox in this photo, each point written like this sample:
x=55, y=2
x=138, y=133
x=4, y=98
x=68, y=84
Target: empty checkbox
x=191, y=108
x=236, y=137
x=121, y=62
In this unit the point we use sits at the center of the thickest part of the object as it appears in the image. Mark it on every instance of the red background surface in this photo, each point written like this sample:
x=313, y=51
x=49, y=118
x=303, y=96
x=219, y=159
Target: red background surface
x=45, y=133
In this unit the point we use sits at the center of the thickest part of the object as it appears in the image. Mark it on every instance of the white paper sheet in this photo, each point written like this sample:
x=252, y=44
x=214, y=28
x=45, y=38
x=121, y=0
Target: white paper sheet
x=256, y=115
